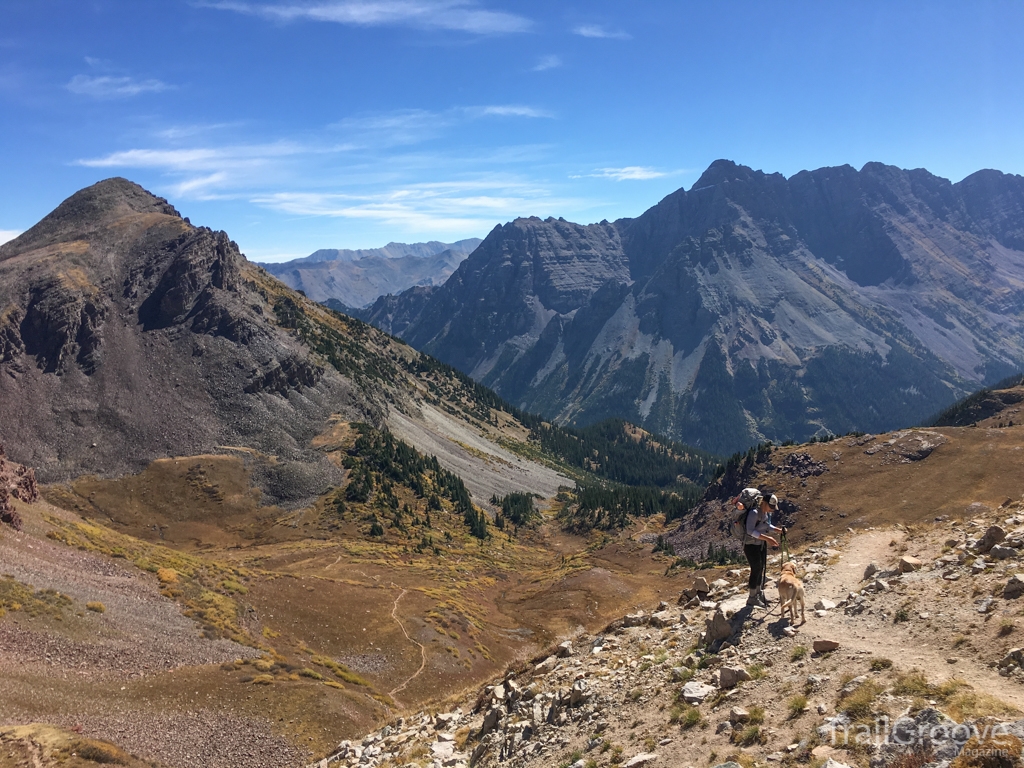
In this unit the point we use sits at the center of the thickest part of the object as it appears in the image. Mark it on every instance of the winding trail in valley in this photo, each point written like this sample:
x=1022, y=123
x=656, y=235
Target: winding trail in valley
x=423, y=650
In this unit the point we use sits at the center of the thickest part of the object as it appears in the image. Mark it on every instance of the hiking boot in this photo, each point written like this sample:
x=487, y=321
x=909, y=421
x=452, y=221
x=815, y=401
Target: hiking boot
x=760, y=600
x=752, y=599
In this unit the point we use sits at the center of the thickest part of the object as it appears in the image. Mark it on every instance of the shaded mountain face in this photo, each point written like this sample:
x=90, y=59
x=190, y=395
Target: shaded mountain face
x=356, y=278
x=749, y=307
x=126, y=334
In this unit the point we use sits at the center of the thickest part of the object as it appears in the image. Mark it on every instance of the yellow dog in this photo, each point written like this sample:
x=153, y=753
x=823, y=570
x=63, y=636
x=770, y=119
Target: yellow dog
x=791, y=591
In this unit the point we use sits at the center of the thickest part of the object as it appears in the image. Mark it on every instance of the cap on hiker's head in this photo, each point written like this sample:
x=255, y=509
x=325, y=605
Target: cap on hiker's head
x=772, y=501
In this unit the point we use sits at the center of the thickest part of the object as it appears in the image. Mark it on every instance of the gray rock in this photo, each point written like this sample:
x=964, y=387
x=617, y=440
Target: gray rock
x=564, y=649
x=579, y=693
x=824, y=605
x=641, y=759
x=546, y=666
x=739, y=715
x=1000, y=552
x=730, y=677
x=634, y=619
x=664, y=619
x=491, y=719
x=994, y=535
x=718, y=627
x=825, y=646
x=871, y=570
x=908, y=563
x=1014, y=587
x=695, y=693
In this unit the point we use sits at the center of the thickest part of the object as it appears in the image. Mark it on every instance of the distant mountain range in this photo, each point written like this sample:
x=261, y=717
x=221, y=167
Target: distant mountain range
x=748, y=307
x=356, y=278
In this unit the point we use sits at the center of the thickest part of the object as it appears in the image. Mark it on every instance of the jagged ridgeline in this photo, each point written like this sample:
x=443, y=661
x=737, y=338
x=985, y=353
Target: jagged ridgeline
x=750, y=307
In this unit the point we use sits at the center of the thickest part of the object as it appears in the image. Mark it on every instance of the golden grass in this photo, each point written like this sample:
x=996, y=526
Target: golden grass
x=17, y=596
x=193, y=581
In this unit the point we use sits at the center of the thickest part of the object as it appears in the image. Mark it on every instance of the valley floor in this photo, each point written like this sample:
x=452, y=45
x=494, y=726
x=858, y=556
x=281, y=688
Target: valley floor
x=650, y=691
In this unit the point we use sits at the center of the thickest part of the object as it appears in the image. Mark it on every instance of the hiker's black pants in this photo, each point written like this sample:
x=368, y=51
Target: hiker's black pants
x=757, y=556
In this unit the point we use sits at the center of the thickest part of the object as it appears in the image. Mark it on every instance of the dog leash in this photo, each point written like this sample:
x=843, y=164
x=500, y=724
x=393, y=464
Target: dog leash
x=784, y=547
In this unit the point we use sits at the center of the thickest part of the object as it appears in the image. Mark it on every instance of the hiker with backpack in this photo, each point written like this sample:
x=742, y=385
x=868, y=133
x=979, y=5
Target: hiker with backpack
x=753, y=524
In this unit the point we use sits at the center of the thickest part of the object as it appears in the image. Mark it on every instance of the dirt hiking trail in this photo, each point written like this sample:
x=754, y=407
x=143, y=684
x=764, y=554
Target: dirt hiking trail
x=907, y=643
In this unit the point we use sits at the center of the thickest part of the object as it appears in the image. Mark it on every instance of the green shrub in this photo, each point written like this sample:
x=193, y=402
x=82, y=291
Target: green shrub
x=797, y=705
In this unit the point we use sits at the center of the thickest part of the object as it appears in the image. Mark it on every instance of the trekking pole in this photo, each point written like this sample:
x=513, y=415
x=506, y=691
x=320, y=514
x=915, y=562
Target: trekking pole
x=764, y=571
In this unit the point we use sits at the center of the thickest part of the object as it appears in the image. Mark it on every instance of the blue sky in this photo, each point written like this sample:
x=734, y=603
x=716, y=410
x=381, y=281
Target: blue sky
x=304, y=124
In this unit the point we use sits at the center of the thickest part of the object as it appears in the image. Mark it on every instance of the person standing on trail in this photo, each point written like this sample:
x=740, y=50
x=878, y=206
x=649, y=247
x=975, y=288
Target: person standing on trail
x=756, y=539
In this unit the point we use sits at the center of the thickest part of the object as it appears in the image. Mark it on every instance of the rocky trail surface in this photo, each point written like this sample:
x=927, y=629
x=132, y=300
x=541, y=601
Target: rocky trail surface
x=907, y=625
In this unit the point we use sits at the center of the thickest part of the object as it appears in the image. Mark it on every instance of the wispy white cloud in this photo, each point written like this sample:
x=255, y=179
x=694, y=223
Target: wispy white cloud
x=110, y=87
x=396, y=128
x=196, y=159
x=435, y=206
x=547, y=62
x=457, y=15
x=628, y=173
x=178, y=132
x=8, y=234
x=358, y=147
x=596, y=30
x=413, y=126
x=207, y=172
x=513, y=110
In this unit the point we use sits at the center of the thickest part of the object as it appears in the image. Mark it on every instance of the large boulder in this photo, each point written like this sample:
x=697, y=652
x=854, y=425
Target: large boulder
x=1014, y=587
x=994, y=535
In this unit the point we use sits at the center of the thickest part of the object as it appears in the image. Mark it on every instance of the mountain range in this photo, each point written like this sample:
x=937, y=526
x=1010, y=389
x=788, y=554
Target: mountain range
x=355, y=278
x=749, y=307
x=128, y=335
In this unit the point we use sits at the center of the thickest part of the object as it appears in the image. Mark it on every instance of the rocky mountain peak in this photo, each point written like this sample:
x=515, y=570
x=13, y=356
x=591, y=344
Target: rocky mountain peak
x=725, y=171
x=90, y=209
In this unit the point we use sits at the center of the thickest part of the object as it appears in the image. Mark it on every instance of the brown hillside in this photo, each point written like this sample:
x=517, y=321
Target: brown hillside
x=908, y=477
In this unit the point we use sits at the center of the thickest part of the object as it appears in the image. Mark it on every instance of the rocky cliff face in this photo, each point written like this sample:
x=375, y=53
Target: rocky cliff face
x=127, y=334
x=749, y=307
